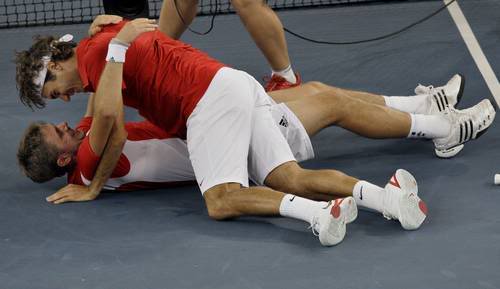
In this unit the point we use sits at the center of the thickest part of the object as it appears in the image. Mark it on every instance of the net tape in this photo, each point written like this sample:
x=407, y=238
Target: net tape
x=22, y=13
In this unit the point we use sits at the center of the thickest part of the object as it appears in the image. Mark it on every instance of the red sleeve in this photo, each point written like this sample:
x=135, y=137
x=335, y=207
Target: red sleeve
x=84, y=124
x=88, y=161
x=91, y=56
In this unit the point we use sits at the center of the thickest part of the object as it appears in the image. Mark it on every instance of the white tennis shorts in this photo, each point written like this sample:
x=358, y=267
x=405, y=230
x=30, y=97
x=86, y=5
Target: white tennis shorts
x=231, y=132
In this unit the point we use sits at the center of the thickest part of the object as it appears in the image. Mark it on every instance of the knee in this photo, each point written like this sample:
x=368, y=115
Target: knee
x=288, y=178
x=339, y=104
x=217, y=204
x=316, y=86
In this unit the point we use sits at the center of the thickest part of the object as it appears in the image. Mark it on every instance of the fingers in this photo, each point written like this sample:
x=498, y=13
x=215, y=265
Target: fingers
x=70, y=193
x=103, y=20
x=64, y=197
x=61, y=200
x=107, y=19
x=56, y=196
x=115, y=18
x=94, y=30
x=135, y=28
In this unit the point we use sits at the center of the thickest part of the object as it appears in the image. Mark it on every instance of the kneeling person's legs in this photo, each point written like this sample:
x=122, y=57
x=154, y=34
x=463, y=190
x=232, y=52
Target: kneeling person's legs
x=219, y=132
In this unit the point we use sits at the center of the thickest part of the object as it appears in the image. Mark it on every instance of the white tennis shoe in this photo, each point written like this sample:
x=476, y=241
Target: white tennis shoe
x=443, y=97
x=466, y=125
x=330, y=223
x=401, y=201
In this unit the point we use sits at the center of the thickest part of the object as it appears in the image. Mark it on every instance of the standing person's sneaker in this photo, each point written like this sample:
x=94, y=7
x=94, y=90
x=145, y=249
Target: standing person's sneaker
x=277, y=82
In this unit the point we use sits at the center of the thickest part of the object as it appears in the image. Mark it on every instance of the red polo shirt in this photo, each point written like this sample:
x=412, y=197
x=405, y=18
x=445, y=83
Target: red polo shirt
x=163, y=78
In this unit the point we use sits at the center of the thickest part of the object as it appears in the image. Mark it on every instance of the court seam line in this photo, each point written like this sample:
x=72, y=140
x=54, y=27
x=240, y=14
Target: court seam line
x=475, y=49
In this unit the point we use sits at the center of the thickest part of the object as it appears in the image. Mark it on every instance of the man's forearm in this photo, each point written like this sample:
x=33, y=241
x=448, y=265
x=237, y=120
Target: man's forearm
x=90, y=106
x=108, y=118
x=109, y=159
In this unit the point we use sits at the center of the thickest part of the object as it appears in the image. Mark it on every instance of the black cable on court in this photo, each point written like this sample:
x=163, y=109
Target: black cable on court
x=322, y=41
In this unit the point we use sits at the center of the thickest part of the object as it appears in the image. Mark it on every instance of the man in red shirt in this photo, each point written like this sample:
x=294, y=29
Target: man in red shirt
x=223, y=113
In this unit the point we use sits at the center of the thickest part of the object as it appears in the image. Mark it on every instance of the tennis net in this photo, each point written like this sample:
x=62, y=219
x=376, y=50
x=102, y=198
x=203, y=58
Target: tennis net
x=22, y=13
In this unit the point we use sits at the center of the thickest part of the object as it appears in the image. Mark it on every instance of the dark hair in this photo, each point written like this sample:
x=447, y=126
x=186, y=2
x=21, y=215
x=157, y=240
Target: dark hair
x=29, y=62
x=36, y=157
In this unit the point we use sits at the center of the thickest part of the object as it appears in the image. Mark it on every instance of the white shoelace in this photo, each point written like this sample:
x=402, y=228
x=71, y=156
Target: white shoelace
x=315, y=223
x=421, y=89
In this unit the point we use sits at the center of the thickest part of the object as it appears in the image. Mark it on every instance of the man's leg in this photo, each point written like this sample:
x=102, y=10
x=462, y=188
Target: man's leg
x=312, y=88
x=230, y=200
x=267, y=31
x=398, y=200
x=219, y=133
x=170, y=23
x=426, y=101
x=333, y=107
x=271, y=162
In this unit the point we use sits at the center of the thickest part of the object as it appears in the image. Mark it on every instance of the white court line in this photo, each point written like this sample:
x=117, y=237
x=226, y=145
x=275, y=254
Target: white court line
x=474, y=49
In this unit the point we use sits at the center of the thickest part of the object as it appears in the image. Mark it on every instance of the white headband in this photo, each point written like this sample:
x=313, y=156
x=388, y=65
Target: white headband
x=39, y=80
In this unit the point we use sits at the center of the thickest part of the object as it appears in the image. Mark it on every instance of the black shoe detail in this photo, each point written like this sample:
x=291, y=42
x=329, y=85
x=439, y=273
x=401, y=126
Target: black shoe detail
x=461, y=90
x=442, y=101
x=461, y=133
x=437, y=102
x=471, y=129
x=466, y=136
x=446, y=100
x=479, y=134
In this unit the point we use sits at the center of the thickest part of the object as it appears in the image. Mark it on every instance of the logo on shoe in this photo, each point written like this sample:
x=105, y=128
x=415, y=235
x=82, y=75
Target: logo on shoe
x=335, y=210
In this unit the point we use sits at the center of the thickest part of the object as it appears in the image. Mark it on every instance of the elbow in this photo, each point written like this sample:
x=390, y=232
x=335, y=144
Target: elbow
x=108, y=115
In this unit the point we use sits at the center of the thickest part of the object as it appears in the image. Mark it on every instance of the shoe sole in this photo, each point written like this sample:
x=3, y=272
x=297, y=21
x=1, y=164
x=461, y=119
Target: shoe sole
x=407, y=180
x=336, y=225
x=449, y=153
x=341, y=213
x=349, y=209
x=413, y=210
x=453, y=151
x=489, y=123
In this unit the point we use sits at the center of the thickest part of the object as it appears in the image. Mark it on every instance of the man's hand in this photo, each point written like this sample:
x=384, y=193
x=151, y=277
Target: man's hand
x=102, y=20
x=134, y=28
x=72, y=193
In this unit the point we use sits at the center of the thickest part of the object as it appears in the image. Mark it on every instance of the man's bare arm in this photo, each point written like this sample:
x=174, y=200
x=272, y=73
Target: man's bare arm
x=90, y=106
x=117, y=139
x=107, y=135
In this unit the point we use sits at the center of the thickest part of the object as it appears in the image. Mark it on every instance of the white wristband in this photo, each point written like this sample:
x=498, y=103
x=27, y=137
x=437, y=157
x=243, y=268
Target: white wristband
x=116, y=52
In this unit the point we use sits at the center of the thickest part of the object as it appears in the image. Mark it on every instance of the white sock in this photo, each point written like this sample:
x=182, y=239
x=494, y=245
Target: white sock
x=287, y=74
x=412, y=104
x=369, y=196
x=428, y=126
x=300, y=208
